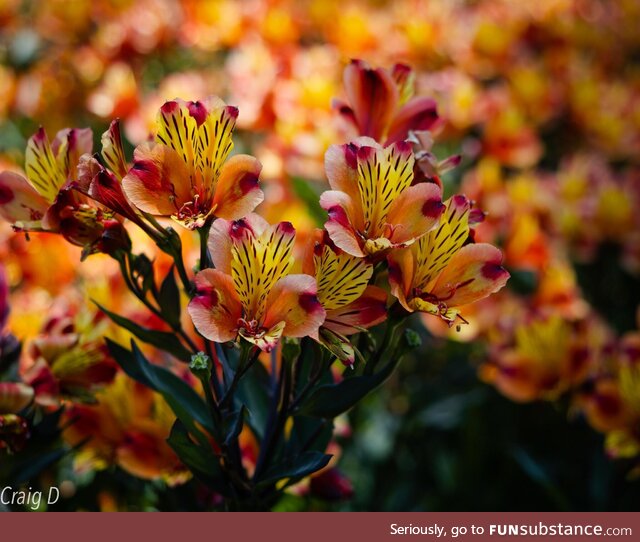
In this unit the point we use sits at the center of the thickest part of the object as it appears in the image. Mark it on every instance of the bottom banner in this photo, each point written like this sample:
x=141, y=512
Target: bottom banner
x=325, y=527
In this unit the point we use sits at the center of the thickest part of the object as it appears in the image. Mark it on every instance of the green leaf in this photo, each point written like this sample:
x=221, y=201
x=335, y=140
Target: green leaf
x=200, y=460
x=169, y=299
x=235, y=425
x=186, y=404
x=290, y=349
x=253, y=391
x=309, y=434
x=168, y=342
x=311, y=198
x=295, y=469
x=30, y=467
x=331, y=400
x=142, y=271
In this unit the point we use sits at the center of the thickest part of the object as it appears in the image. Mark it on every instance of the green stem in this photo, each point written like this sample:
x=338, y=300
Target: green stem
x=133, y=288
x=277, y=419
x=248, y=355
x=388, y=343
x=205, y=259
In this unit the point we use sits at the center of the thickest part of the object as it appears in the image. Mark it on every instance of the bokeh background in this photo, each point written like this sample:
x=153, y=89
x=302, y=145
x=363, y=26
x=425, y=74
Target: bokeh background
x=535, y=404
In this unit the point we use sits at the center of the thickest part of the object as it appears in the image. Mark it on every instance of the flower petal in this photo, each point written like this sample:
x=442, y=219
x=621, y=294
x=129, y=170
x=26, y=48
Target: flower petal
x=473, y=273
x=220, y=243
x=368, y=310
x=14, y=396
x=341, y=168
x=339, y=227
x=259, y=262
x=237, y=190
x=417, y=114
x=112, y=151
x=268, y=340
x=158, y=183
x=68, y=146
x=42, y=169
x=402, y=269
x=342, y=278
x=294, y=301
x=415, y=212
x=434, y=250
x=216, y=308
x=19, y=201
x=383, y=174
x=373, y=97
x=200, y=133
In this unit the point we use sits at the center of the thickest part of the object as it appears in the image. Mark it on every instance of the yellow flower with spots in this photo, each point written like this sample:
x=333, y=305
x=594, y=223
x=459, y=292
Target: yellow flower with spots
x=373, y=206
x=440, y=272
x=351, y=304
x=186, y=172
x=250, y=293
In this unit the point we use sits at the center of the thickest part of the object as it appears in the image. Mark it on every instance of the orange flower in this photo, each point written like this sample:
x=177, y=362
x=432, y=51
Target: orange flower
x=373, y=206
x=46, y=200
x=381, y=103
x=50, y=166
x=128, y=427
x=350, y=303
x=186, y=173
x=439, y=273
x=250, y=293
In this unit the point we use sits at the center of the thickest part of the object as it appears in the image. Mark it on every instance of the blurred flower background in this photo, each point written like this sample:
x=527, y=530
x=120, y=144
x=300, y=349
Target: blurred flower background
x=534, y=404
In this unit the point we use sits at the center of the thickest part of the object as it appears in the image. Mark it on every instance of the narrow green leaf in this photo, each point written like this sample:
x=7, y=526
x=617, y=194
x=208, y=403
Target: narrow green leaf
x=331, y=400
x=169, y=298
x=186, y=404
x=303, y=465
x=166, y=341
x=200, y=460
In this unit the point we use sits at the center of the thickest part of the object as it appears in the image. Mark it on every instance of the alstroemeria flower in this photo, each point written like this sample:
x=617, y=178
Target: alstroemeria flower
x=185, y=174
x=439, y=273
x=104, y=184
x=128, y=426
x=46, y=200
x=49, y=167
x=64, y=364
x=381, y=103
x=250, y=293
x=373, y=206
x=343, y=290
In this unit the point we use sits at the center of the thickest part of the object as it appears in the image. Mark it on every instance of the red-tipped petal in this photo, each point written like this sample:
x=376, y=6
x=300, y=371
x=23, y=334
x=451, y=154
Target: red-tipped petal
x=415, y=212
x=373, y=97
x=158, y=183
x=19, y=202
x=473, y=273
x=215, y=309
x=416, y=114
x=340, y=208
x=293, y=300
x=368, y=310
x=237, y=191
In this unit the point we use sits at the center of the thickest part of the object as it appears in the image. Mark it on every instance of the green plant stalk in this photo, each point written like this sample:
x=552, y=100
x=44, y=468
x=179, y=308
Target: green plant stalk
x=124, y=271
x=389, y=342
x=248, y=356
x=205, y=258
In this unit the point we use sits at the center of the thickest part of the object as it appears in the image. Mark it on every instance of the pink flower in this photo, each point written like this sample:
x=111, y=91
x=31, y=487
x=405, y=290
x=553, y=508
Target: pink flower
x=186, y=172
x=373, y=206
x=250, y=293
